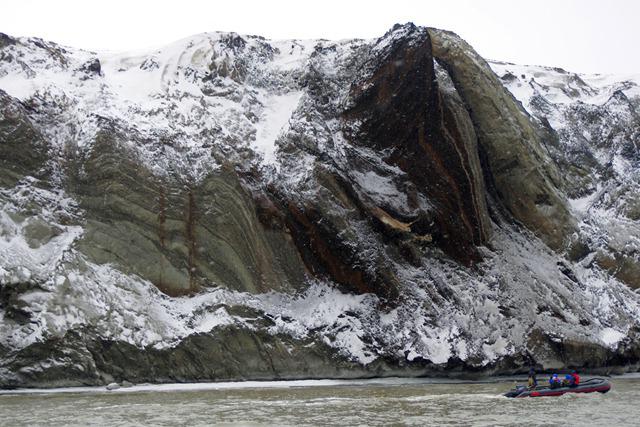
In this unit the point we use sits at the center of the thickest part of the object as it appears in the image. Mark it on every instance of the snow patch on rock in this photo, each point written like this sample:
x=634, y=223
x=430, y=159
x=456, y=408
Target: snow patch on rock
x=611, y=337
x=275, y=116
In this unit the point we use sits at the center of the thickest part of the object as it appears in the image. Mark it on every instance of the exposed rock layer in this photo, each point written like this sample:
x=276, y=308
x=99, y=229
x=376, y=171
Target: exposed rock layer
x=426, y=133
x=525, y=178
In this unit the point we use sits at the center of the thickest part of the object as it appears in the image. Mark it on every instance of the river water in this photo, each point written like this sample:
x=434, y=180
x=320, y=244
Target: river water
x=298, y=403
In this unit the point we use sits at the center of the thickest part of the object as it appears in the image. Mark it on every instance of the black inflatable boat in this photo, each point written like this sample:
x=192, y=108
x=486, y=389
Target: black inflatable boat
x=589, y=386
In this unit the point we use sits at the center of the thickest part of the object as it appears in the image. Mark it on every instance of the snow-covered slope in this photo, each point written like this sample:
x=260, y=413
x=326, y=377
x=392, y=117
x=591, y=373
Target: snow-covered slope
x=198, y=91
x=254, y=171
x=594, y=133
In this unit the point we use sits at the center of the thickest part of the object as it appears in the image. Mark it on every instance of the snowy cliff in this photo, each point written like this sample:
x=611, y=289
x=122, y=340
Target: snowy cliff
x=231, y=207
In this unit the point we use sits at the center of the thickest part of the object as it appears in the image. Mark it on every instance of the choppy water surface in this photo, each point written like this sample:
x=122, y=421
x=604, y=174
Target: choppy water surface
x=382, y=402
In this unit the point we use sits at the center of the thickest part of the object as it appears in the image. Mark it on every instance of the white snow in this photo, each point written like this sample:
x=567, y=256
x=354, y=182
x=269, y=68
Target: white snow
x=275, y=116
x=293, y=54
x=581, y=206
x=611, y=337
x=562, y=87
x=381, y=189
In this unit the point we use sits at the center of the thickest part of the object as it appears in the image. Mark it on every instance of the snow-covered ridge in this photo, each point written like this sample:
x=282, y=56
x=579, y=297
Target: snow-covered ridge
x=206, y=90
x=563, y=87
x=226, y=87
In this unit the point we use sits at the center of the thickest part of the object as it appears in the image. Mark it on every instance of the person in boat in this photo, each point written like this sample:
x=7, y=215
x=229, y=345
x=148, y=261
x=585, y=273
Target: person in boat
x=576, y=378
x=554, y=381
x=568, y=381
x=533, y=381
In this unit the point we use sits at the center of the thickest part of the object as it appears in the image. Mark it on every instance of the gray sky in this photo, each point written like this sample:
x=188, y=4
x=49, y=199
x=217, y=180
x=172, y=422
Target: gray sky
x=584, y=36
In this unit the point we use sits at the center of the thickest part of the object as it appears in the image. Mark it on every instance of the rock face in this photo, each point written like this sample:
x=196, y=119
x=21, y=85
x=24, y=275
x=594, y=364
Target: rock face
x=178, y=235
x=592, y=135
x=525, y=178
x=426, y=133
x=230, y=207
x=23, y=151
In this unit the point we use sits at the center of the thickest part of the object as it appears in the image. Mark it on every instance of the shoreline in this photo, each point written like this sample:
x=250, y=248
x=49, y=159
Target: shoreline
x=278, y=384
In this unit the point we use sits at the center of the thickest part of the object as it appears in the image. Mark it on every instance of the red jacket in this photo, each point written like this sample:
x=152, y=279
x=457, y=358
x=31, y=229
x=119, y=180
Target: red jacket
x=576, y=378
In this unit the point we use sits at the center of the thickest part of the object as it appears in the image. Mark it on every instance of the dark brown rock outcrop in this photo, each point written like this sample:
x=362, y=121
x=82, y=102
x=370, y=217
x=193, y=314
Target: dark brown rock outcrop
x=427, y=134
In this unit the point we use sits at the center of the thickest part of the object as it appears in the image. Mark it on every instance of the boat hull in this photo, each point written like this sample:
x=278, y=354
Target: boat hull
x=590, y=386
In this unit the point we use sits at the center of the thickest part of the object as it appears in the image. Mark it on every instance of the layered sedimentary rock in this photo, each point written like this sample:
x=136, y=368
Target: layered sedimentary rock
x=525, y=178
x=426, y=133
x=230, y=207
x=177, y=234
x=23, y=151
